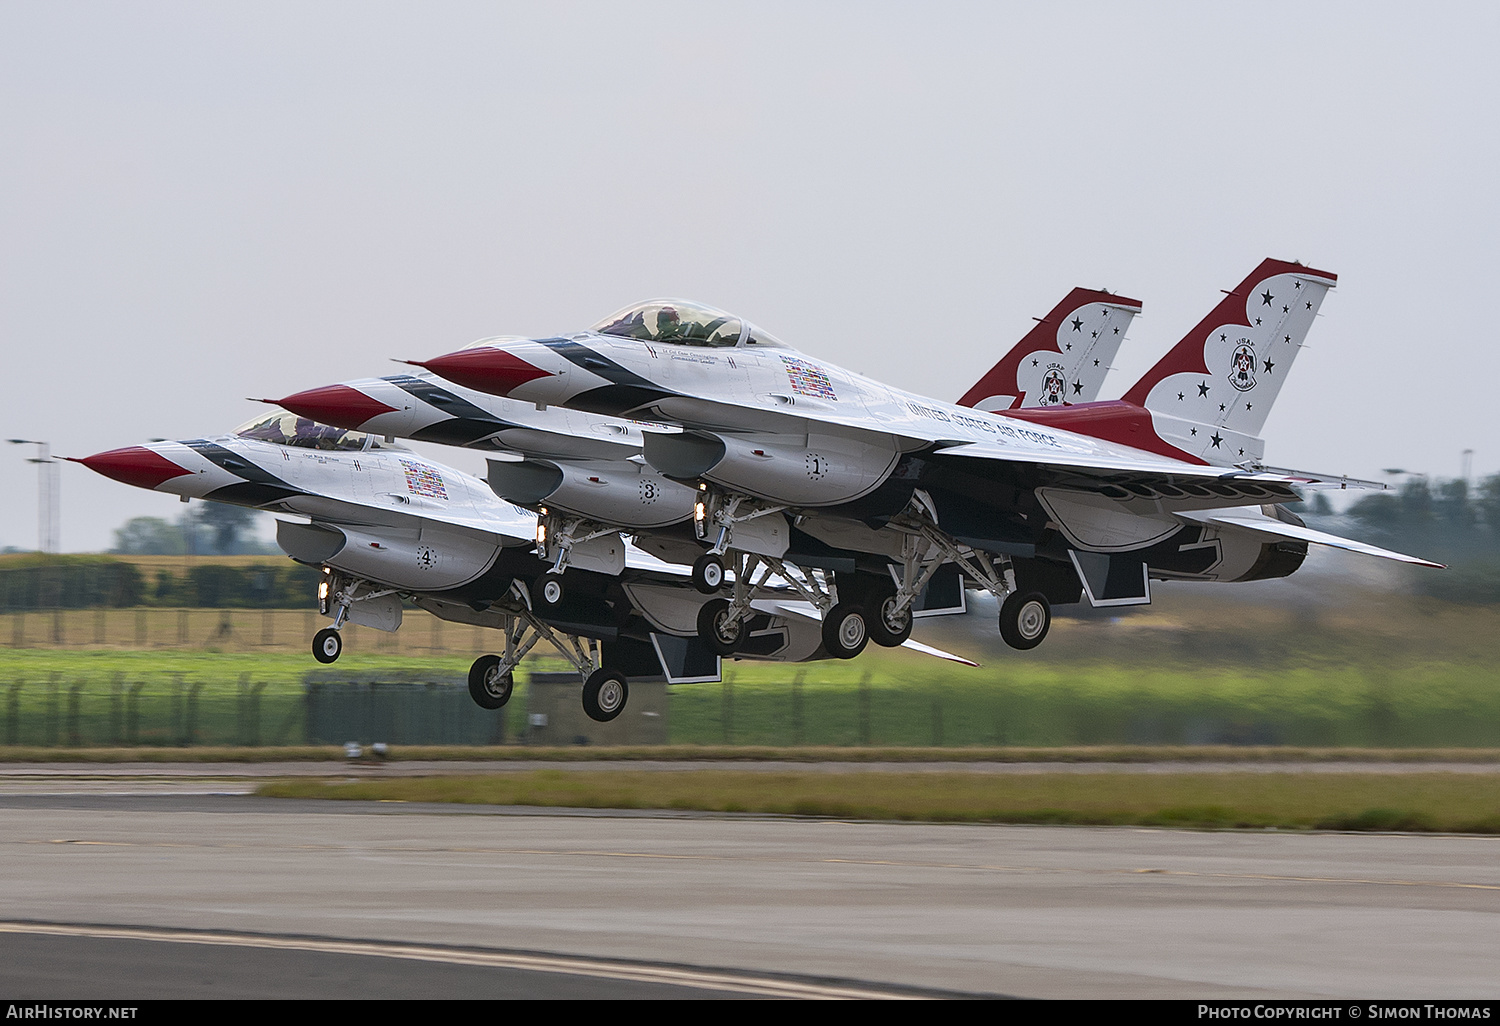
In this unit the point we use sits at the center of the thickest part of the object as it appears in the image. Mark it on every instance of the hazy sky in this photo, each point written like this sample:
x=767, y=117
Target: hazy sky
x=202, y=202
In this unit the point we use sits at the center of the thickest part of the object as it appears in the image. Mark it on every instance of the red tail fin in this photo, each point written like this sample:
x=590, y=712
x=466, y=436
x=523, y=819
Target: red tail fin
x=1210, y=394
x=1063, y=359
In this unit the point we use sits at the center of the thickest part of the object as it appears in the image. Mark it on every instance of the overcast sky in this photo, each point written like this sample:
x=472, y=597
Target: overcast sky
x=202, y=202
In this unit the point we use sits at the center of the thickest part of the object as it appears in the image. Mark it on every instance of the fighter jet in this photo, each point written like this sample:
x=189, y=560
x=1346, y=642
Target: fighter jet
x=585, y=479
x=1038, y=507
x=385, y=523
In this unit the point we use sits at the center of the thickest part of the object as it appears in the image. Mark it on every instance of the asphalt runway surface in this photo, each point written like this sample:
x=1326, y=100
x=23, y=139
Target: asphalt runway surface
x=267, y=898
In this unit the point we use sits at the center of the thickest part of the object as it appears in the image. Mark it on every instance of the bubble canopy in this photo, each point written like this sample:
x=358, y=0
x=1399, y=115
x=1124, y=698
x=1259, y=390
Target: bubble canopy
x=683, y=322
x=302, y=433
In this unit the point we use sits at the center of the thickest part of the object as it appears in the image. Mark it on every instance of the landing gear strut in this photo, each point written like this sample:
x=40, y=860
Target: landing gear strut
x=492, y=677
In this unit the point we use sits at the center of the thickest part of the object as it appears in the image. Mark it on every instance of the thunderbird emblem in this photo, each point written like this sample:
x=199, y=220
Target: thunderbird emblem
x=1242, y=366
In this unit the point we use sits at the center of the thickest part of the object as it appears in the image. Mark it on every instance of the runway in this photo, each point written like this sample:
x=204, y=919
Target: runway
x=1002, y=910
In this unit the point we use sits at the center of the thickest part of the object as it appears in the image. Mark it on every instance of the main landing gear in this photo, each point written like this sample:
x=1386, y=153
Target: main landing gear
x=492, y=677
x=1024, y=619
x=723, y=624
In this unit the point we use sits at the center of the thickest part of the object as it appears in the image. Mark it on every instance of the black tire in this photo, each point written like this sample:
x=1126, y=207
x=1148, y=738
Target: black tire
x=605, y=694
x=722, y=635
x=549, y=593
x=327, y=645
x=489, y=688
x=845, y=631
x=708, y=573
x=886, y=628
x=1025, y=619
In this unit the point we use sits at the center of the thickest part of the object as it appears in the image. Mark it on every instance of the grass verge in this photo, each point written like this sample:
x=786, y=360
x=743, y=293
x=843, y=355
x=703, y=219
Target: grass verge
x=750, y=753
x=1441, y=802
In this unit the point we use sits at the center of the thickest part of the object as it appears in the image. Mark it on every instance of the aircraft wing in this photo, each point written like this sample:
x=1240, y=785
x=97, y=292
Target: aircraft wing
x=1105, y=460
x=1251, y=521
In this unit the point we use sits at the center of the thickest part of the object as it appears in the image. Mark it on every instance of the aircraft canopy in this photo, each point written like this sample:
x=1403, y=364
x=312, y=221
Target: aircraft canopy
x=302, y=433
x=683, y=322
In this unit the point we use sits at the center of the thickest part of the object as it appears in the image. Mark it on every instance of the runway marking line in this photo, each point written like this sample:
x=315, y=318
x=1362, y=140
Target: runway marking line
x=588, y=853
x=561, y=964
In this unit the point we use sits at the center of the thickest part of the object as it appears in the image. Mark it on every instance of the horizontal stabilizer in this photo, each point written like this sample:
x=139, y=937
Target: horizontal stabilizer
x=1314, y=479
x=1253, y=521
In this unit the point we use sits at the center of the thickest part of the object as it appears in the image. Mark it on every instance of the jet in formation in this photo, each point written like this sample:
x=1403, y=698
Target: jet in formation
x=675, y=485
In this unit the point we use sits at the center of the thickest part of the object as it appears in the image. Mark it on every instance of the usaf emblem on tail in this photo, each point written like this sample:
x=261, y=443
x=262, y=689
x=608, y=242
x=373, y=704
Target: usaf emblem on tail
x=1242, y=366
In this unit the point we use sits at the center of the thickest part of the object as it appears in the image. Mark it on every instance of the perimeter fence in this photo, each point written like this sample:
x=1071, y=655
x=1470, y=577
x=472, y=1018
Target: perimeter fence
x=754, y=707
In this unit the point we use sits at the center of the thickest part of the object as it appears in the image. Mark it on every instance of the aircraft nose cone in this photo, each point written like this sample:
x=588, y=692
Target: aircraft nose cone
x=338, y=405
x=485, y=370
x=135, y=465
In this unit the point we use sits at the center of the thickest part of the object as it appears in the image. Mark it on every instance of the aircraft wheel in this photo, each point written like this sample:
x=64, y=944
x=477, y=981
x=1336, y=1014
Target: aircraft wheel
x=327, y=645
x=722, y=635
x=887, y=628
x=489, y=688
x=604, y=694
x=845, y=632
x=1024, y=619
x=549, y=592
x=708, y=573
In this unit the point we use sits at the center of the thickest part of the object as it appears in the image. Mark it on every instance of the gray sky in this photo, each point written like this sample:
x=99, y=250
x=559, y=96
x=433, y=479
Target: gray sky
x=202, y=202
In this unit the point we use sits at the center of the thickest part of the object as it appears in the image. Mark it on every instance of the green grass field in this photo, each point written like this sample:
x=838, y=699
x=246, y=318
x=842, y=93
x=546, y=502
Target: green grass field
x=1331, y=668
x=1446, y=802
x=100, y=697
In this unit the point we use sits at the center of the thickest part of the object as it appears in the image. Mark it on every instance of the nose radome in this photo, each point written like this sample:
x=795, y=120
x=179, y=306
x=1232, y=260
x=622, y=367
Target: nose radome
x=338, y=405
x=484, y=370
x=135, y=465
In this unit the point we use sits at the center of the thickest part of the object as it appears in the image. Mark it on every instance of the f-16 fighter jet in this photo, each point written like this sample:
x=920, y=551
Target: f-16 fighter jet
x=584, y=476
x=383, y=523
x=1039, y=506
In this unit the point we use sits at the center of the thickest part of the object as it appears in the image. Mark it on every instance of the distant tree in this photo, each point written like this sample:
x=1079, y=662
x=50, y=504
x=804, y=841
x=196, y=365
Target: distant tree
x=1488, y=503
x=217, y=527
x=149, y=536
x=1451, y=504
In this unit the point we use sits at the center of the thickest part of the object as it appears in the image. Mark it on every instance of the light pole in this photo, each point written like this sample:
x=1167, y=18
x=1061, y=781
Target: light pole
x=48, y=501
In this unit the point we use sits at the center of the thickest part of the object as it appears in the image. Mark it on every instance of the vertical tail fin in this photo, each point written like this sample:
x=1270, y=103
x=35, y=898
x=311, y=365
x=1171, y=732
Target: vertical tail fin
x=1210, y=394
x=1061, y=360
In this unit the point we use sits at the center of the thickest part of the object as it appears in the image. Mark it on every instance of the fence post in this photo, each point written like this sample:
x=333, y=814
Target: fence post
x=75, y=735
x=726, y=717
x=797, y=708
x=864, y=709
x=133, y=713
x=99, y=625
x=116, y=688
x=13, y=715
x=267, y=628
x=190, y=719
x=176, y=721
x=253, y=738
x=49, y=722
